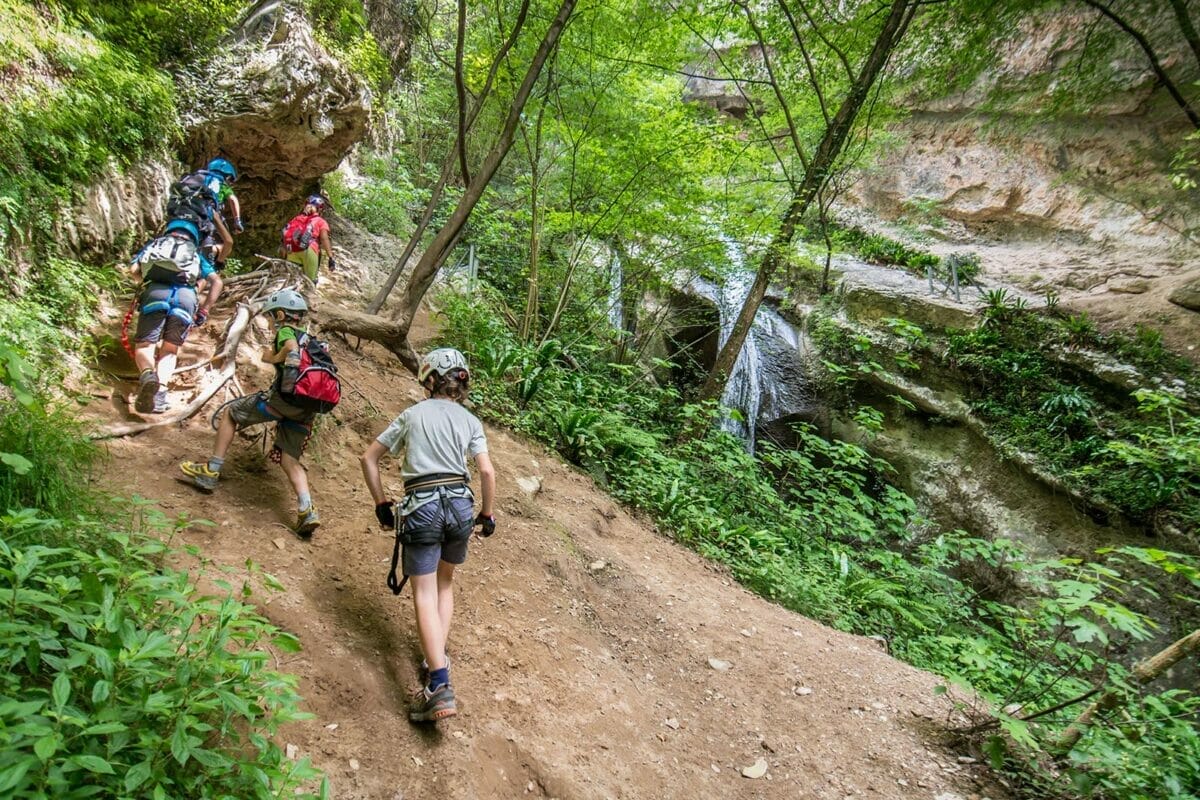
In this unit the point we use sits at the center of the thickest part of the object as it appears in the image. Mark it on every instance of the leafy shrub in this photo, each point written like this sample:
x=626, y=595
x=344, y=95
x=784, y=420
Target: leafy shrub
x=383, y=203
x=76, y=103
x=121, y=678
x=164, y=32
x=341, y=25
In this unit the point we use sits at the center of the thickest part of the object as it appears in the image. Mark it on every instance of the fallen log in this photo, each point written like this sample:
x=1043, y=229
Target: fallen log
x=389, y=333
x=228, y=358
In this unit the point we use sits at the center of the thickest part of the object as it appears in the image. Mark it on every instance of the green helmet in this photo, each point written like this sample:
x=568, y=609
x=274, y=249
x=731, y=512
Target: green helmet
x=441, y=361
x=286, y=300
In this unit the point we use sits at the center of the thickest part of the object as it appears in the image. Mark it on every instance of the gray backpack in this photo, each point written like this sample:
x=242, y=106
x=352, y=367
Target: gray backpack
x=171, y=259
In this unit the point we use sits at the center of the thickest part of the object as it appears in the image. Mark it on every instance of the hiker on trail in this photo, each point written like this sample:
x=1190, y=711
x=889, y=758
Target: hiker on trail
x=306, y=239
x=197, y=198
x=226, y=199
x=286, y=309
x=169, y=267
x=436, y=516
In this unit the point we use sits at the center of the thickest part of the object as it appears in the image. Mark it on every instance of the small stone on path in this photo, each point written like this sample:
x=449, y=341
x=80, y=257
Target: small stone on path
x=719, y=665
x=755, y=770
x=597, y=565
x=672, y=723
x=354, y=764
x=278, y=542
x=291, y=751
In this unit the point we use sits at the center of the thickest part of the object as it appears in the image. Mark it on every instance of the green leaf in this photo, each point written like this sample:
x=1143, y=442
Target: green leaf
x=61, y=691
x=137, y=775
x=100, y=691
x=18, y=464
x=13, y=775
x=92, y=764
x=105, y=727
x=46, y=746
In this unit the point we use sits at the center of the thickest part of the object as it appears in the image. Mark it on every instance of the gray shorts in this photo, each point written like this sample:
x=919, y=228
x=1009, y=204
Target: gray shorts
x=291, y=430
x=171, y=316
x=448, y=514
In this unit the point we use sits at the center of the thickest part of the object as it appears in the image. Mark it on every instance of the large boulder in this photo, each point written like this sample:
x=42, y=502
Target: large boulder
x=279, y=106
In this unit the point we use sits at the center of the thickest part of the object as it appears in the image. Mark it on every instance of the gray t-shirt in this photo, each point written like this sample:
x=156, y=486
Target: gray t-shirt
x=436, y=436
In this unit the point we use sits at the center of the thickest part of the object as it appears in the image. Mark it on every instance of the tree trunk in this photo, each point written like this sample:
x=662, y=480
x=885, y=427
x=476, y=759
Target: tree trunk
x=815, y=177
x=447, y=166
x=529, y=321
x=435, y=255
x=370, y=326
x=1145, y=672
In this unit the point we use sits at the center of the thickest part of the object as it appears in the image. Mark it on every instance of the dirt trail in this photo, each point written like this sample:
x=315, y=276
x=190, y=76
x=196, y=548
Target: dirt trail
x=581, y=644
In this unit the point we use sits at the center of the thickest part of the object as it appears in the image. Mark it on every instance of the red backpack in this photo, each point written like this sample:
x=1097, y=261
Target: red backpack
x=297, y=236
x=314, y=384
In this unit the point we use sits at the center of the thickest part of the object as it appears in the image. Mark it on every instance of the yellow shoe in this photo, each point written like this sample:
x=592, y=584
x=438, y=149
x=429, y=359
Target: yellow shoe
x=202, y=477
x=308, y=521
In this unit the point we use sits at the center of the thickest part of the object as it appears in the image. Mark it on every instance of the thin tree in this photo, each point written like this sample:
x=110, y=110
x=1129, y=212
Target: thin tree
x=457, y=148
x=816, y=175
x=444, y=240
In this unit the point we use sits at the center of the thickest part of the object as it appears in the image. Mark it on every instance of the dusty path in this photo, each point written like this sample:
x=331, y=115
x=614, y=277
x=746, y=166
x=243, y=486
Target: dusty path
x=582, y=638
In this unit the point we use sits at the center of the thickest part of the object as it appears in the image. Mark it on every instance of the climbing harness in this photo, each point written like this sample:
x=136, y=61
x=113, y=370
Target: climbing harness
x=423, y=490
x=169, y=305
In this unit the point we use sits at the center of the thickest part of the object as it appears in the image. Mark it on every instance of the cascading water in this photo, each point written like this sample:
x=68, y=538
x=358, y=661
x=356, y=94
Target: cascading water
x=745, y=391
x=616, y=285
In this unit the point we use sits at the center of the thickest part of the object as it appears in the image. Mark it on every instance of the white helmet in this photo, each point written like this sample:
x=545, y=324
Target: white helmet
x=286, y=300
x=441, y=361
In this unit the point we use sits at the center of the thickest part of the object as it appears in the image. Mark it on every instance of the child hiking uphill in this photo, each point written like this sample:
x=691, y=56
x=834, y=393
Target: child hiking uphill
x=306, y=239
x=293, y=425
x=436, y=516
x=169, y=267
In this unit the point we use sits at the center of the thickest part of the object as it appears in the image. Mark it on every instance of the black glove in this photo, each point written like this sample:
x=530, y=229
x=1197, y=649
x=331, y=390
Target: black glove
x=385, y=514
x=487, y=525
x=219, y=266
x=332, y=264
x=238, y=226
x=200, y=317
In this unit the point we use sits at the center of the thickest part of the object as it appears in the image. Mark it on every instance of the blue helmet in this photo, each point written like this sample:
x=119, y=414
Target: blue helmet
x=223, y=168
x=316, y=200
x=186, y=226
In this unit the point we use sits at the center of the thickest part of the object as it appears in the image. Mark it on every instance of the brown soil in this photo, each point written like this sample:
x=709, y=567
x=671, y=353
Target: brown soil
x=581, y=645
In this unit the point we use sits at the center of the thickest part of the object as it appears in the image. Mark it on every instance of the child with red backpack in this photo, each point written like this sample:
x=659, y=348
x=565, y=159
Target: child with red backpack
x=306, y=239
x=305, y=385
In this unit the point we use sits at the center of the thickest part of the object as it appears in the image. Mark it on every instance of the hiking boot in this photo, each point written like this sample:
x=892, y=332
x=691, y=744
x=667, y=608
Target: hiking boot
x=161, y=403
x=147, y=388
x=430, y=706
x=202, y=477
x=308, y=521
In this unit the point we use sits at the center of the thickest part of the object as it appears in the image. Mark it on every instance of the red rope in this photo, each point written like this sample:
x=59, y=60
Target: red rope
x=125, y=327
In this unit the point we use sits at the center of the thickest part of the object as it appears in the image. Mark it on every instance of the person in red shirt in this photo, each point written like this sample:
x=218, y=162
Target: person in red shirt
x=306, y=239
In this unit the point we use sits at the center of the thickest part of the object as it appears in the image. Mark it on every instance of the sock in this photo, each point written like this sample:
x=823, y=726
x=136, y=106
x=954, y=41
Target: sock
x=305, y=501
x=215, y=463
x=438, y=678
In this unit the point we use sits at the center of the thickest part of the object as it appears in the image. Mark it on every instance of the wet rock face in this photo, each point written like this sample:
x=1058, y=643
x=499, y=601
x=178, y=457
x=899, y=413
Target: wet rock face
x=280, y=107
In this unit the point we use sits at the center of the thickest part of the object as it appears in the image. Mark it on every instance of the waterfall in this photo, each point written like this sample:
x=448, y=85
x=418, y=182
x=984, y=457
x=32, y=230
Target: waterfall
x=616, y=285
x=751, y=390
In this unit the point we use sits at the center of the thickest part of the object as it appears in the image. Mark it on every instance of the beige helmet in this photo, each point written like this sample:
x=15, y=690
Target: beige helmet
x=441, y=361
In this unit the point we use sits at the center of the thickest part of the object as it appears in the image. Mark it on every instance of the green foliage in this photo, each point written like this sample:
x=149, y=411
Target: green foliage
x=341, y=25
x=44, y=311
x=74, y=104
x=159, y=33
x=385, y=201
x=118, y=677
x=121, y=679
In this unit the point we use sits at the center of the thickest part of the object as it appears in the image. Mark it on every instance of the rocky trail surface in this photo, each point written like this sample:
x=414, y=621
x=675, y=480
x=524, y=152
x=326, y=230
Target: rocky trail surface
x=592, y=656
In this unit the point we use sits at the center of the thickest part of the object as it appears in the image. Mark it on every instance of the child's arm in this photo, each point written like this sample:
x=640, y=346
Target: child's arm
x=271, y=357
x=487, y=480
x=370, y=469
